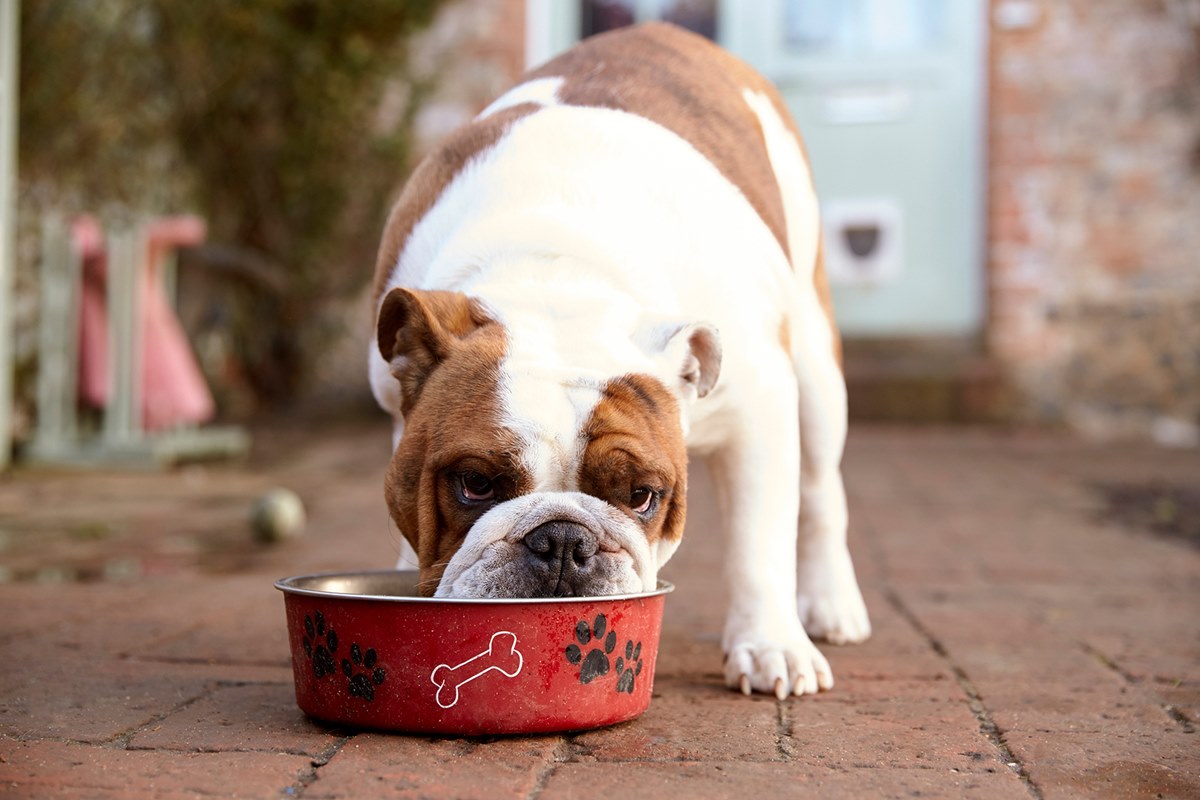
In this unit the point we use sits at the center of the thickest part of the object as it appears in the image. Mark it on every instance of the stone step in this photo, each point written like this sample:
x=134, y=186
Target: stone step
x=925, y=380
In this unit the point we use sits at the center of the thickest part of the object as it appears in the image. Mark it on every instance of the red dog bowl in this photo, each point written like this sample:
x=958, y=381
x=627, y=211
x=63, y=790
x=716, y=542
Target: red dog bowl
x=367, y=651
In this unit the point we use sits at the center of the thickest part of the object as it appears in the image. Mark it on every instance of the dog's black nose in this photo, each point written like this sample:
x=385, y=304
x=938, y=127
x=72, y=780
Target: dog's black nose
x=560, y=557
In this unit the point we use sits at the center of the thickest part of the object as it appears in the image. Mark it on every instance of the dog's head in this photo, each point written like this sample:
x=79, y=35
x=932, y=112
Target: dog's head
x=521, y=476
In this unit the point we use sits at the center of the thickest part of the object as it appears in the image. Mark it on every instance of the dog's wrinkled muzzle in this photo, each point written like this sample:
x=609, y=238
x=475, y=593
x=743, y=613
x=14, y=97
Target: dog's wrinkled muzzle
x=551, y=544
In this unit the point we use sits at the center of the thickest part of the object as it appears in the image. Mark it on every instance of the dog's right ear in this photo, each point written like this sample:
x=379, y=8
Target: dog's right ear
x=687, y=355
x=417, y=330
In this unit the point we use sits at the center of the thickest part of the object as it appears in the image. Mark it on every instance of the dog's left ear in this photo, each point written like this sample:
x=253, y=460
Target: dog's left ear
x=688, y=356
x=417, y=330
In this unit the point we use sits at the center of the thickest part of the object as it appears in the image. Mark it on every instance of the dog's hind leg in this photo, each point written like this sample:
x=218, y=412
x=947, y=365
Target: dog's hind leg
x=828, y=597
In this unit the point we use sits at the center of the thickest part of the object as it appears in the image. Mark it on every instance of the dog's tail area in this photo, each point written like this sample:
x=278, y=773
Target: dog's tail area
x=785, y=150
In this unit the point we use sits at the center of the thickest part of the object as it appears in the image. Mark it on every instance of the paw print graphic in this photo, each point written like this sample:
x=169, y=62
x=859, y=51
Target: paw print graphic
x=594, y=663
x=362, y=683
x=320, y=643
x=629, y=667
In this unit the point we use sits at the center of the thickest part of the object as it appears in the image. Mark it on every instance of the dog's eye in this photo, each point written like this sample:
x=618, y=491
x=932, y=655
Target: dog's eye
x=642, y=500
x=475, y=488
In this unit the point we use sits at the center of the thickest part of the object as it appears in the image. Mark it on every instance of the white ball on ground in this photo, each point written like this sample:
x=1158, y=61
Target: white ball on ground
x=277, y=515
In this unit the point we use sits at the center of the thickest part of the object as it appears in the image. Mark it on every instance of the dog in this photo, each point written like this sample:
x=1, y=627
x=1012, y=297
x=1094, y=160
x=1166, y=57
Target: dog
x=618, y=262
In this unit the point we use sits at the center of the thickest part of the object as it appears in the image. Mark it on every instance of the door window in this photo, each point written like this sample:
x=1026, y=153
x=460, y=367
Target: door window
x=597, y=16
x=860, y=27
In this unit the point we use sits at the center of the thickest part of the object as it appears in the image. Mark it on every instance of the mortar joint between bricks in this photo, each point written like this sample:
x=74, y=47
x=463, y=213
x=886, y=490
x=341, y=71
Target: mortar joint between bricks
x=325, y=756
x=987, y=726
x=784, y=743
x=543, y=778
x=310, y=776
x=1177, y=716
x=121, y=740
x=1107, y=662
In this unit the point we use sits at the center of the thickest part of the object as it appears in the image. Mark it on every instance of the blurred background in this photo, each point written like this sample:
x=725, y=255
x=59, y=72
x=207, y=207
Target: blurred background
x=1010, y=189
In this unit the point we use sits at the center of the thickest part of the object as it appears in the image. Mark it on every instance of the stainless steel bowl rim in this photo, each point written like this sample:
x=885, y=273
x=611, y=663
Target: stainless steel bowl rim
x=295, y=585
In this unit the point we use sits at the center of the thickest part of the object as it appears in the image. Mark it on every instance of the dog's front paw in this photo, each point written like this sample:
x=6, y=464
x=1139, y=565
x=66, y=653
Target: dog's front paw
x=779, y=666
x=829, y=602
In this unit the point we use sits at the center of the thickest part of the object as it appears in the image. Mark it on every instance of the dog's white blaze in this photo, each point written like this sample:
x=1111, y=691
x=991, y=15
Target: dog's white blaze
x=542, y=92
x=546, y=416
x=795, y=184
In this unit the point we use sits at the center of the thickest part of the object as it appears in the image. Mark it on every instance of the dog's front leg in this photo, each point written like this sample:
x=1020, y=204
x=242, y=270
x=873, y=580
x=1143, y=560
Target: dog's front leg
x=757, y=474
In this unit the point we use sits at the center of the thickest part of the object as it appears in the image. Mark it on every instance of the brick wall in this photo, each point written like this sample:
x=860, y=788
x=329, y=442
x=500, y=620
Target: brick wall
x=1094, y=200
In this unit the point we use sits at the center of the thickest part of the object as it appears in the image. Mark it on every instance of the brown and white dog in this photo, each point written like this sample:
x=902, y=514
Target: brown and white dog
x=550, y=289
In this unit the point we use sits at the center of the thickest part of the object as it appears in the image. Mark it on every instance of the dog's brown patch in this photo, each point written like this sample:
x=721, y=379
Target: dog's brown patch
x=453, y=426
x=634, y=440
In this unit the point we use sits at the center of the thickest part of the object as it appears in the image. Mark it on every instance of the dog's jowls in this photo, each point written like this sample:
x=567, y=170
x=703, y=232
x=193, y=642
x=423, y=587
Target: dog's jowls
x=618, y=263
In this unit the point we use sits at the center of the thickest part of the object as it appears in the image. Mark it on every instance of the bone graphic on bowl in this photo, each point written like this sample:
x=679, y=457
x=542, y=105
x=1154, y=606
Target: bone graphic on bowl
x=501, y=655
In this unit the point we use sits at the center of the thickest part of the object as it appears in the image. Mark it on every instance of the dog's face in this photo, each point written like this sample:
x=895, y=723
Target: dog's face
x=523, y=481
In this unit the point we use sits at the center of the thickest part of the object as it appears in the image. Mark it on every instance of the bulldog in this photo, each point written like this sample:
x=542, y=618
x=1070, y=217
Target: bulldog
x=617, y=263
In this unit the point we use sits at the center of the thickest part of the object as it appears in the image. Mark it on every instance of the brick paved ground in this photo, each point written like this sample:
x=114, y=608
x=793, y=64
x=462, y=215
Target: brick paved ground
x=1033, y=639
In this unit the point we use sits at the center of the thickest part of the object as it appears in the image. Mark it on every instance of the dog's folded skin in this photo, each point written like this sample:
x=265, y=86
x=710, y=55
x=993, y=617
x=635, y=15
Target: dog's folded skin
x=616, y=263
x=495, y=561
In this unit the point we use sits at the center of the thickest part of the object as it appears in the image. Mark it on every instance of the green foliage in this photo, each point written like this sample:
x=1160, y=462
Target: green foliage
x=87, y=127
x=263, y=115
x=272, y=101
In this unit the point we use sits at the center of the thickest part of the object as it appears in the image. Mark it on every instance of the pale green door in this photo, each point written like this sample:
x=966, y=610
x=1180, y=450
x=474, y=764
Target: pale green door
x=889, y=96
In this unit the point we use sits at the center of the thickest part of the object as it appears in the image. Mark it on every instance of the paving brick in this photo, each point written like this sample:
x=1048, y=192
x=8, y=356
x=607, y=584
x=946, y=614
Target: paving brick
x=76, y=698
x=377, y=765
x=152, y=613
x=37, y=608
x=104, y=628
x=247, y=625
x=1165, y=620
x=960, y=618
x=44, y=769
x=876, y=688
x=701, y=781
x=252, y=717
x=691, y=721
x=1157, y=665
x=686, y=654
x=891, y=733
x=1112, y=764
x=1055, y=661
x=877, y=659
x=912, y=564
x=895, y=649
x=1029, y=706
x=230, y=620
x=62, y=693
x=1134, y=649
